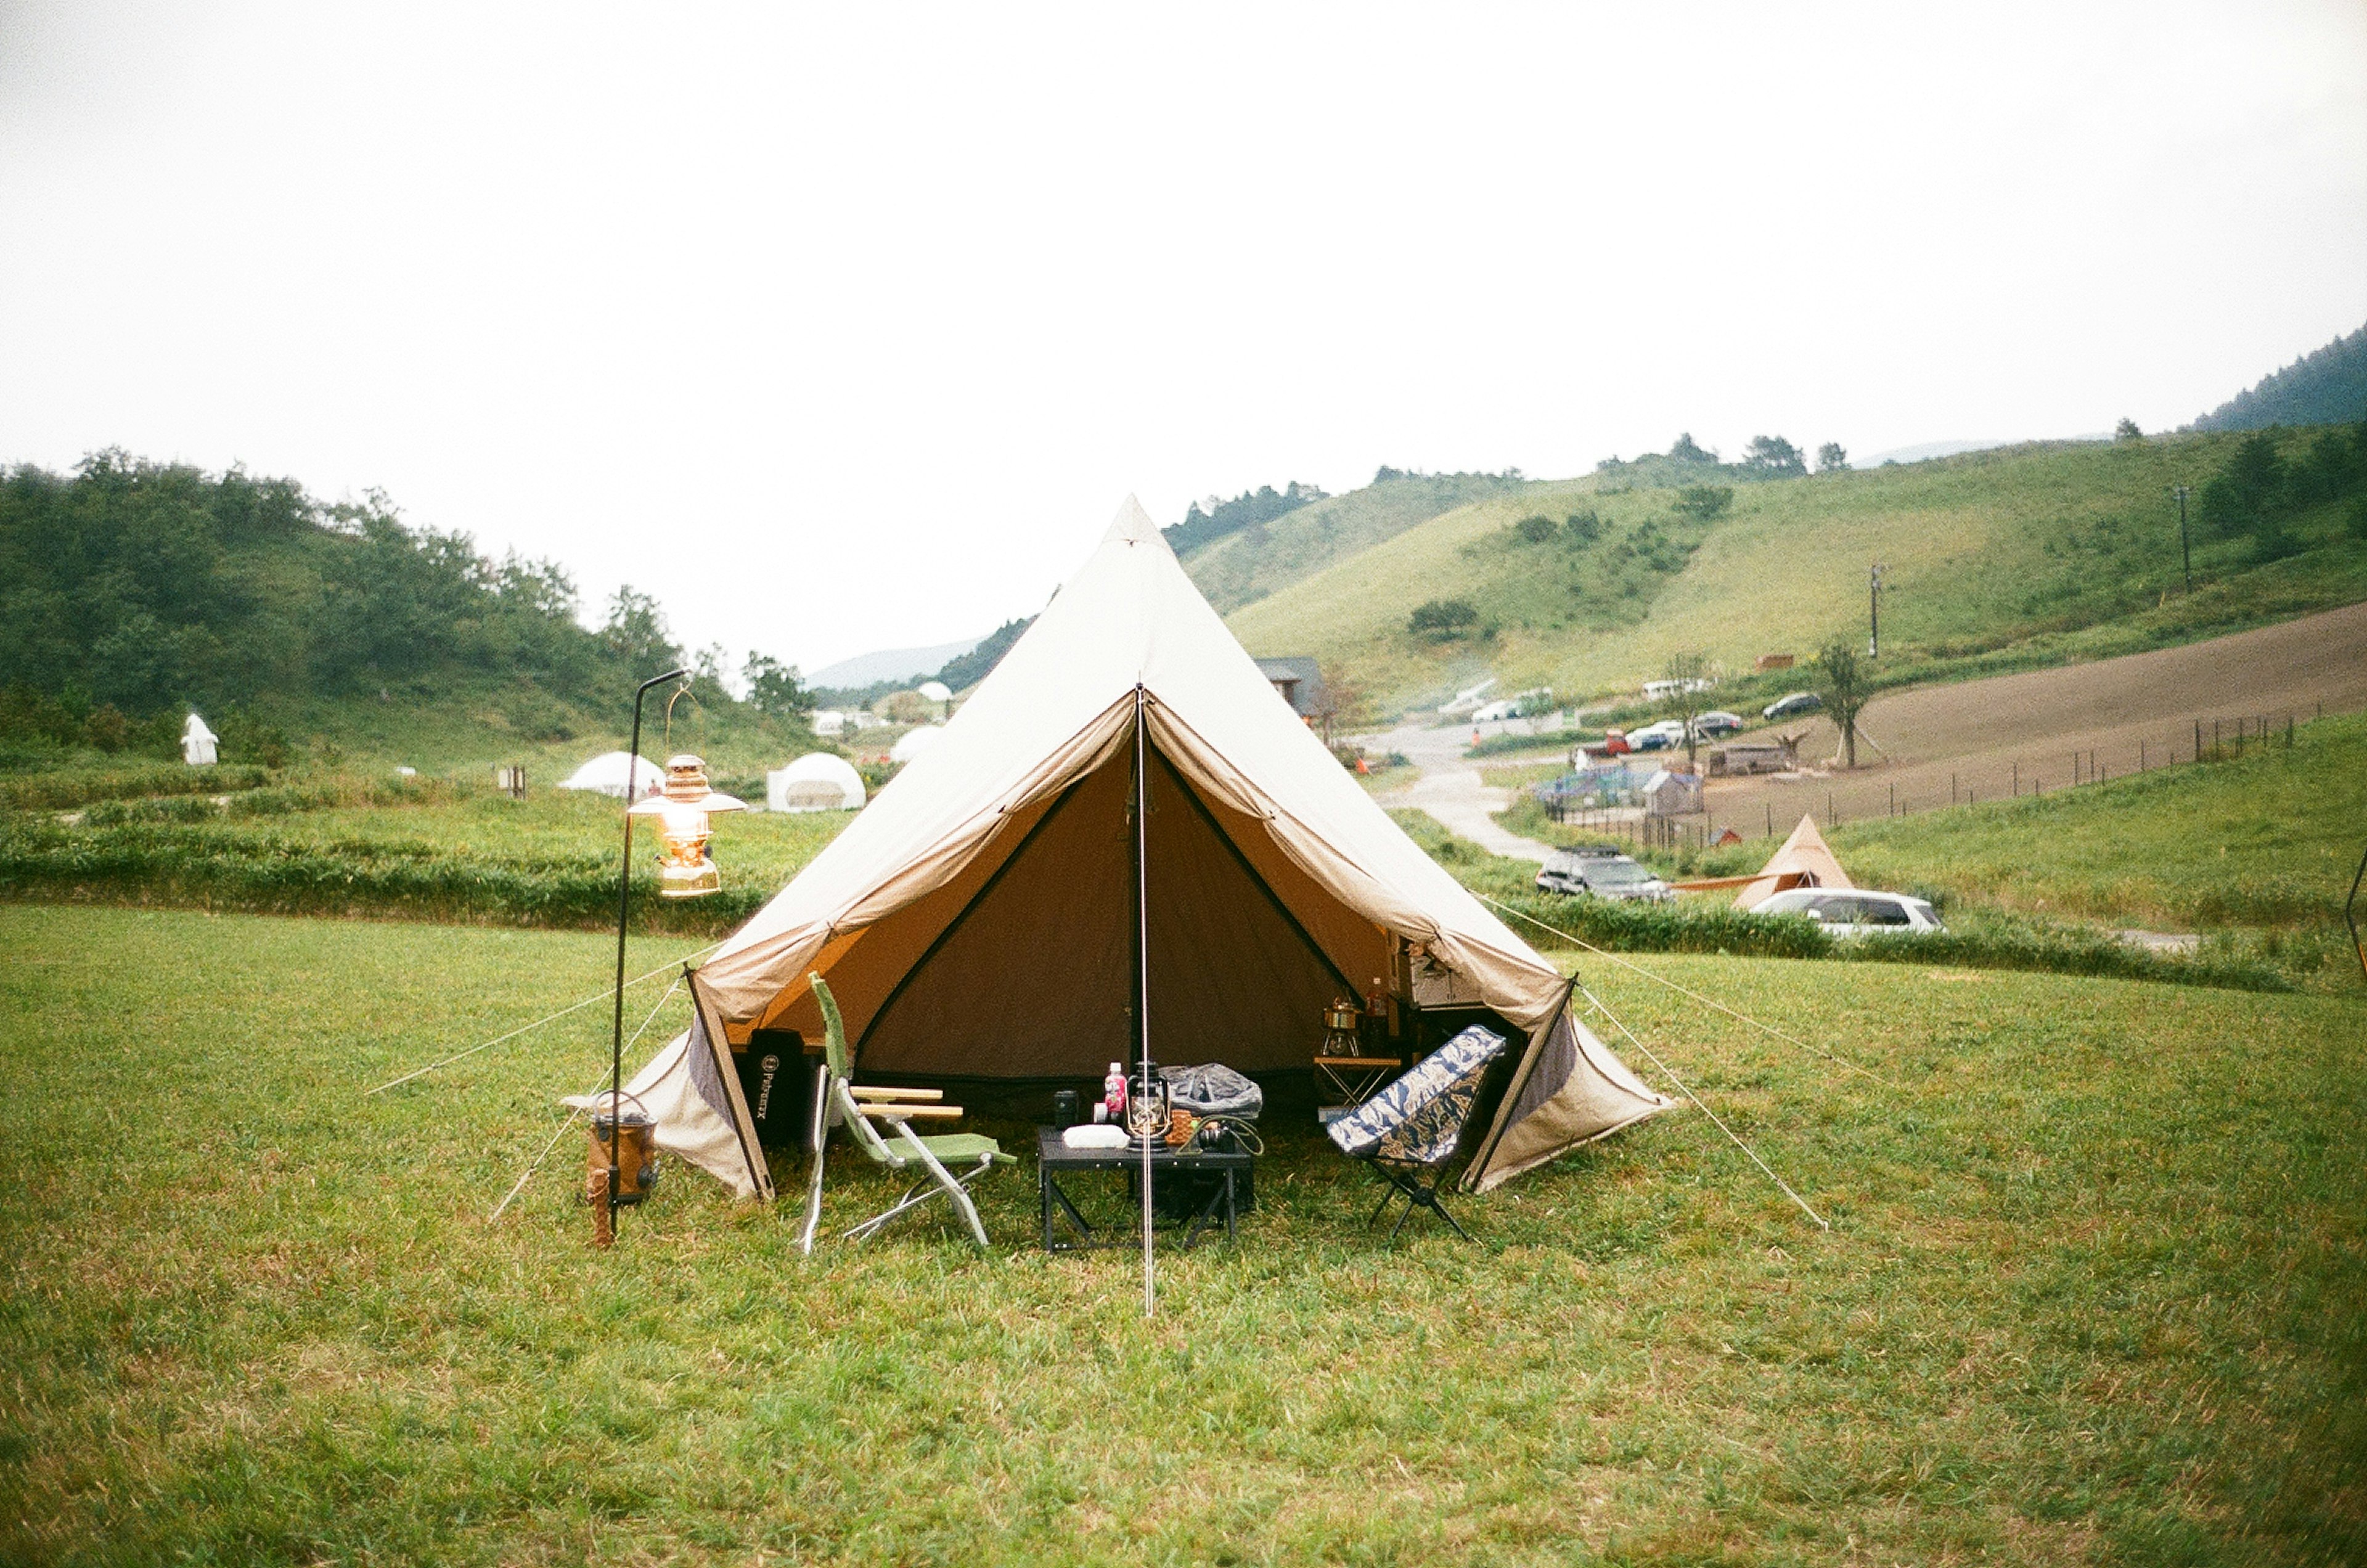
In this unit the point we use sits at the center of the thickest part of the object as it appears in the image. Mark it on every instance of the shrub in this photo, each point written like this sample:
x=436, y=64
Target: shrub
x=1536, y=530
x=1441, y=619
x=1702, y=502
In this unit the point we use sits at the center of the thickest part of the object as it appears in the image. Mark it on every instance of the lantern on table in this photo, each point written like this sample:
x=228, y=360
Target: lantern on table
x=684, y=810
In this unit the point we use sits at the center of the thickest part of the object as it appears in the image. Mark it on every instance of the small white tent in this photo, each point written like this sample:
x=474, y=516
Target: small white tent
x=198, y=743
x=608, y=774
x=1001, y=911
x=815, y=782
x=914, y=743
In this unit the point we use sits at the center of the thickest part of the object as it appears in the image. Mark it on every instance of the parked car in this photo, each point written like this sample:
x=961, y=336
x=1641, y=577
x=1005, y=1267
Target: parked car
x=1793, y=703
x=1612, y=744
x=1657, y=736
x=1716, y=725
x=1602, y=871
x=1853, y=911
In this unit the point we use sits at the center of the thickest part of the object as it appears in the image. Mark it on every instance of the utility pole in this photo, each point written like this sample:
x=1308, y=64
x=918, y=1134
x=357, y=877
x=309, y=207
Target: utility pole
x=1874, y=613
x=2185, y=553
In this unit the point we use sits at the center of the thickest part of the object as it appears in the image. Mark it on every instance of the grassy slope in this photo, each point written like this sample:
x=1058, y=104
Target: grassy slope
x=2268, y=840
x=1242, y=567
x=2066, y=549
x=2082, y=1300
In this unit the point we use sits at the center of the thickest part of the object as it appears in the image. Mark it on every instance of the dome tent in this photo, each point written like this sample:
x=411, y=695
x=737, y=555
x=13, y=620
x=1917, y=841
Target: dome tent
x=982, y=919
x=819, y=780
x=607, y=773
x=914, y=743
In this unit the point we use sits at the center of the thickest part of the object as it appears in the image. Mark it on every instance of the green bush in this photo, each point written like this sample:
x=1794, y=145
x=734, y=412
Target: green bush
x=1441, y=619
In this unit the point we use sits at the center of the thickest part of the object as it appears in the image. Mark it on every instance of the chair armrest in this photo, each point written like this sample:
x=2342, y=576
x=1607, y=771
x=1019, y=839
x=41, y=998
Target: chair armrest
x=862, y=1093
x=901, y=1113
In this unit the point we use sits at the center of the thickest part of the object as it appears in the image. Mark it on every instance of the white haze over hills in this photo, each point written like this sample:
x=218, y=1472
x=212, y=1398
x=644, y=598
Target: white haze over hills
x=890, y=664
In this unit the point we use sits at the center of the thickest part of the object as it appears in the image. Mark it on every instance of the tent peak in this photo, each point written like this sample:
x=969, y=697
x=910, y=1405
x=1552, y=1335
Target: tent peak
x=1132, y=526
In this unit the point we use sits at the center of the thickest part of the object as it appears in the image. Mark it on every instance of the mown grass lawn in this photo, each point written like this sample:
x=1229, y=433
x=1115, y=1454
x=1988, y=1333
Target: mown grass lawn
x=2091, y=1293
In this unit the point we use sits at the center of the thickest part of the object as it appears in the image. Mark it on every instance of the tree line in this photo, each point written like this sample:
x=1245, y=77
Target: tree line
x=133, y=589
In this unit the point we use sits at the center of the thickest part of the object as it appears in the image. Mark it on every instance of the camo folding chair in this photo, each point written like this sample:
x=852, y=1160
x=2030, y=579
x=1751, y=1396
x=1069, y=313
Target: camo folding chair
x=858, y=1107
x=1410, y=1130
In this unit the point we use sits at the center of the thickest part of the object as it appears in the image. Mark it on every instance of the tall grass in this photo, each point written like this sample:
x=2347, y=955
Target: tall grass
x=71, y=787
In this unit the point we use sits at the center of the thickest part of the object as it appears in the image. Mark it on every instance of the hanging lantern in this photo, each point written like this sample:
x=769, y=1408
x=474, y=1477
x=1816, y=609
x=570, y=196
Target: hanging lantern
x=684, y=810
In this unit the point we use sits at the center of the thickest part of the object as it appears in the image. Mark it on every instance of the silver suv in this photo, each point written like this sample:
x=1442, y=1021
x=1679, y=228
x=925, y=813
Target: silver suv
x=1602, y=871
x=1854, y=912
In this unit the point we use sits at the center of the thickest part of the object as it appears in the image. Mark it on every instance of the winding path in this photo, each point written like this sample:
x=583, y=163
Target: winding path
x=1450, y=787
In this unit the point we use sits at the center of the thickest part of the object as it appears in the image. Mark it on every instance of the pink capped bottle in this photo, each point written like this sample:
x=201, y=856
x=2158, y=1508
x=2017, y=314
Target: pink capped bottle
x=1113, y=1091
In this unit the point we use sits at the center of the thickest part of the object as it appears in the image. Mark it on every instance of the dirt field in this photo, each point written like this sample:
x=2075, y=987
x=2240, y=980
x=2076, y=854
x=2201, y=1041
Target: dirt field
x=2036, y=730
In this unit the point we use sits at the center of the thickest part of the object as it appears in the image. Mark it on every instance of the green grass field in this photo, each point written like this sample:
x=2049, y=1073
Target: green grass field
x=2091, y=1295
x=1993, y=560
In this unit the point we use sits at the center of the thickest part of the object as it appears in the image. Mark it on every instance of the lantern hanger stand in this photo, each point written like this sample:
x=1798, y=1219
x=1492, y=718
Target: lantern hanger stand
x=624, y=913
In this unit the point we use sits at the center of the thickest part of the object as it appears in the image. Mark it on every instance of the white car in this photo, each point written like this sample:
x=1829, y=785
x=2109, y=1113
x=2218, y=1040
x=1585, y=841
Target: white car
x=1855, y=911
x=1657, y=736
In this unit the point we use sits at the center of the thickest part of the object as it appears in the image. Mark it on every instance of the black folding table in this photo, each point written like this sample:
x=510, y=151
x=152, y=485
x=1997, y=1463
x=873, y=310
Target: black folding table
x=1055, y=1159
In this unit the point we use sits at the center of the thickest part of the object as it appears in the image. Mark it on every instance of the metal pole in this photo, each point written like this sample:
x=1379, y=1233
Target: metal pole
x=1873, y=612
x=2185, y=553
x=624, y=911
x=1142, y=978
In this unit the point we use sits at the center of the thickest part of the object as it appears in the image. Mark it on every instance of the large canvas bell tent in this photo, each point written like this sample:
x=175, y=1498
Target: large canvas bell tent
x=995, y=914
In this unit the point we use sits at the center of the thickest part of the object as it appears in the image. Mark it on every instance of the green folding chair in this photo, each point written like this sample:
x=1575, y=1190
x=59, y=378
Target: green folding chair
x=859, y=1108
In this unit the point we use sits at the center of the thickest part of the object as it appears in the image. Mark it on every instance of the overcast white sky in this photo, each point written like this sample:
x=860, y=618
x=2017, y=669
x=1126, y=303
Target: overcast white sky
x=844, y=328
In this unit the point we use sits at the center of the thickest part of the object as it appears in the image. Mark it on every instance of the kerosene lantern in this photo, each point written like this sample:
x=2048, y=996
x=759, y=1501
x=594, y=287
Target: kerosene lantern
x=1343, y=1022
x=684, y=810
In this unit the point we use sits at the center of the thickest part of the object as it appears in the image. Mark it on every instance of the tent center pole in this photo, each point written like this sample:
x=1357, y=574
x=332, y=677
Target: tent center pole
x=1142, y=978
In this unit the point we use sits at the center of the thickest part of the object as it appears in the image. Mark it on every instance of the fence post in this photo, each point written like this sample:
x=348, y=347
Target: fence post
x=2017, y=778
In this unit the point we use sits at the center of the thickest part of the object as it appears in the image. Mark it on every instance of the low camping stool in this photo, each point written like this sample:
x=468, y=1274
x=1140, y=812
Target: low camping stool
x=1410, y=1130
x=900, y=1108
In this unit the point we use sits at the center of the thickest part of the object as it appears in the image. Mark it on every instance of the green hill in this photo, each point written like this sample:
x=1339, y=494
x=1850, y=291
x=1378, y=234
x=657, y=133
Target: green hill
x=134, y=589
x=2024, y=554
x=1246, y=566
x=2326, y=387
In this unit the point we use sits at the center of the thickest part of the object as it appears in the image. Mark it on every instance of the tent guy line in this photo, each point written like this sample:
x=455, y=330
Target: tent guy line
x=1706, y=1001
x=524, y=1028
x=1686, y=1090
x=536, y=1164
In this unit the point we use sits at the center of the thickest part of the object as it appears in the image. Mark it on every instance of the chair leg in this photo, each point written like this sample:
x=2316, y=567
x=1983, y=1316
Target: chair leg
x=816, y=1139
x=943, y=1181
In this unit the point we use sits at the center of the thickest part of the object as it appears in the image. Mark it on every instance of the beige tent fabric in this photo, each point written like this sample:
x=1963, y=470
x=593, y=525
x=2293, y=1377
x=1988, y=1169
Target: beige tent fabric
x=1804, y=861
x=974, y=919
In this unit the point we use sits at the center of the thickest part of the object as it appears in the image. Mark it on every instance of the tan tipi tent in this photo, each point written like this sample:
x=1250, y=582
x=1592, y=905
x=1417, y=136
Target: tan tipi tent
x=982, y=917
x=1804, y=861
